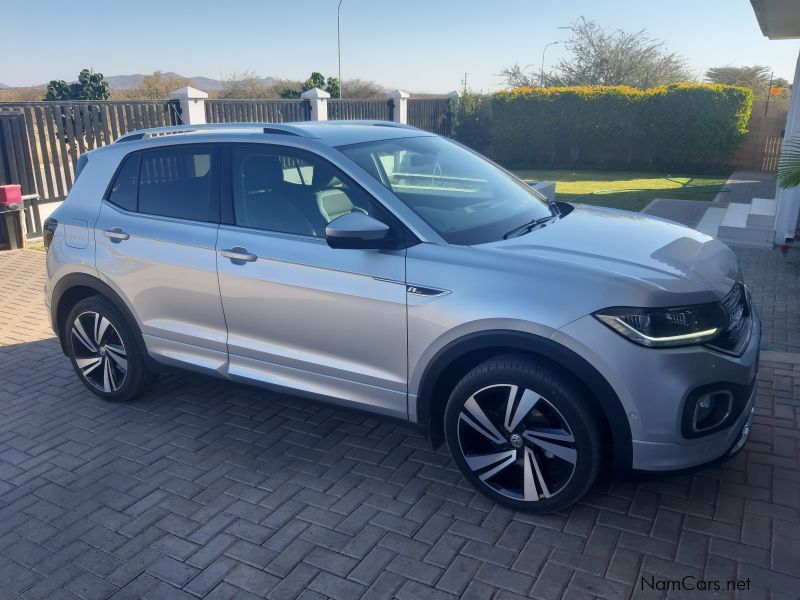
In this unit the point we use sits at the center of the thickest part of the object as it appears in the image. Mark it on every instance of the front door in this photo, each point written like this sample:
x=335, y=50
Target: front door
x=155, y=245
x=300, y=314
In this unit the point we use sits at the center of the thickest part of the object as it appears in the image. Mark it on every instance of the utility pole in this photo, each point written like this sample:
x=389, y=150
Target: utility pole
x=541, y=80
x=769, y=93
x=339, y=46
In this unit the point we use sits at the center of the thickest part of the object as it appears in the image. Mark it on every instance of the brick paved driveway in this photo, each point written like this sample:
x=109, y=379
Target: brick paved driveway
x=202, y=488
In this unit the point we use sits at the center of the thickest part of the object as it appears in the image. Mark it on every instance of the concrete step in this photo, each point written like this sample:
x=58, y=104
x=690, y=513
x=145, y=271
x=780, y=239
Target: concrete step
x=735, y=215
x=709, y=223
x=762, y=212
x=734, y=228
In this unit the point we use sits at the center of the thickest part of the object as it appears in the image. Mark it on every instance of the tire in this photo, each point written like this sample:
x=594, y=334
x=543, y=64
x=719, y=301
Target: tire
x=105, y=351
x=540, y=451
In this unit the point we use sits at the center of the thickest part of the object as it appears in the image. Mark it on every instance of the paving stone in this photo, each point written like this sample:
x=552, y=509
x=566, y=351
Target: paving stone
x=336, y=587
x=172, y=571
x=202, y=488
x=252, y=580
x=208, y=578
x=251, y=554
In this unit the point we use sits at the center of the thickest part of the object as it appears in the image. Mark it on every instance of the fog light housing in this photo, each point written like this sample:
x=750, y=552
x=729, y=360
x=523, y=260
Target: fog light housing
x=711, y=410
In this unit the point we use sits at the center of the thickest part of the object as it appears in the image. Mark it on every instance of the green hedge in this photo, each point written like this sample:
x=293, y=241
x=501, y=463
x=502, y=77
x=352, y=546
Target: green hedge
x=676, y=124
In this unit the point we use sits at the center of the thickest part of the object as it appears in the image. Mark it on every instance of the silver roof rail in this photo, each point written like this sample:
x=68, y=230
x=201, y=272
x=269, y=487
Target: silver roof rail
x=277, y=128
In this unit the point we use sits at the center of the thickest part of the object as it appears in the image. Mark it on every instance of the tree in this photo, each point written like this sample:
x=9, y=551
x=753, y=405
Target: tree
x=516, y=77
x=156, y=86
x=21, y=94
x=90, y=86
x=471, y=124
x=333, y=88
x=317, y=80
x=600, y=57
x=242, y=85
x=754, y=77
x=789, y=165
x=248, y=85
x=363, y=89
x=291, y=92
x=603, y=57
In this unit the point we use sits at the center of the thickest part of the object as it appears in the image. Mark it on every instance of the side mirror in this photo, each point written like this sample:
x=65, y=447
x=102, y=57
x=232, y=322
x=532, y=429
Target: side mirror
x=356, y=230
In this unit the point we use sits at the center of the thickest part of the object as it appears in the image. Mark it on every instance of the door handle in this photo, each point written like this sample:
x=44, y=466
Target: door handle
x=238, y=255
x=115, y=234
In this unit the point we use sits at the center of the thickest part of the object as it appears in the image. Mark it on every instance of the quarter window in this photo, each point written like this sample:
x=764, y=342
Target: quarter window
x=176, y=182
x=124, y=190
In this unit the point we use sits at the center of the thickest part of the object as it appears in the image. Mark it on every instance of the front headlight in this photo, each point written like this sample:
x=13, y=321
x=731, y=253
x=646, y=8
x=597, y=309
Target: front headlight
x=666, y=327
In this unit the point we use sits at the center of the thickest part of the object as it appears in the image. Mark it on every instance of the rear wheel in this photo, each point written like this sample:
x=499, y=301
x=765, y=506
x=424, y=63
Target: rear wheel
x=523, y=434
x=104, y=350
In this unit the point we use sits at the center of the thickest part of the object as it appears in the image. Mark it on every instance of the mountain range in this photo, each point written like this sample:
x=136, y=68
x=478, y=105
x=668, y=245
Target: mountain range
x=121, y=82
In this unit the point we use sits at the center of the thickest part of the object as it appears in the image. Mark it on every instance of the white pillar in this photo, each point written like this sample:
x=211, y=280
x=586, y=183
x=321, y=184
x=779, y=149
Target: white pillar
x=193, y=104
x=319, y=103
x=400, y=99
x=788, y=201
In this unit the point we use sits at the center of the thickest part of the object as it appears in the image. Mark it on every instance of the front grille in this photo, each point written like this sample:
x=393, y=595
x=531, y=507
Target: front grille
x=736, y=306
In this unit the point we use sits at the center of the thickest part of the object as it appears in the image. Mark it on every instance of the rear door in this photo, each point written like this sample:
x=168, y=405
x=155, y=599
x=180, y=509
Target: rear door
x=156, y=237
x=301, y=314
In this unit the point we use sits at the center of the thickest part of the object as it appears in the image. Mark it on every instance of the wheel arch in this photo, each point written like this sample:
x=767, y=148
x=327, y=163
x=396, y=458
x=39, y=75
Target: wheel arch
x=459, y=356
x=73, y=288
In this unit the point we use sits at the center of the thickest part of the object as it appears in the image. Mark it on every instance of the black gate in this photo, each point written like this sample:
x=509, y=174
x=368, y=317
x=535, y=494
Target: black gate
x=16, y=165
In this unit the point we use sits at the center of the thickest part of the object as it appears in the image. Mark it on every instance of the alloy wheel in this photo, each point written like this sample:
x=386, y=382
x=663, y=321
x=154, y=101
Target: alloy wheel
x=516, y=442
x=99, y=351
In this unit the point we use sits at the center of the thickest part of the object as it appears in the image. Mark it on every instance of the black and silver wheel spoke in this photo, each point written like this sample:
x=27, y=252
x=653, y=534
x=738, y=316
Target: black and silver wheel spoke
x=117, y=354
x=101, y=325
x=100, y=356
x=517, y=442
x=474, y=416
x=87, y=365
x=533, y=476
x=564, y=451
x=497, y=462
x=516, y=410
x=80, y=334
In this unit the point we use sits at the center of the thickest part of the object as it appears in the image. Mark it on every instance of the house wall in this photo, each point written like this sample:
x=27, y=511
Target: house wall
x=789, y=200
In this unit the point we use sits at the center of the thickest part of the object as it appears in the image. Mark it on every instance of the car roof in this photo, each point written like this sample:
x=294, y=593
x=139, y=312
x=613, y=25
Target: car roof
x=331, y=133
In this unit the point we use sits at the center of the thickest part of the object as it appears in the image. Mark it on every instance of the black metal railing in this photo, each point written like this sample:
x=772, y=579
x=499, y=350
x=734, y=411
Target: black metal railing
x=431, y=114
x=257, y=111
x=379, y=110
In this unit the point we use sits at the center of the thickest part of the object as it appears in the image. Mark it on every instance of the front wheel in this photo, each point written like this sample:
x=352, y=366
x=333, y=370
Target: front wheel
x=104, y=350
x=523, y=434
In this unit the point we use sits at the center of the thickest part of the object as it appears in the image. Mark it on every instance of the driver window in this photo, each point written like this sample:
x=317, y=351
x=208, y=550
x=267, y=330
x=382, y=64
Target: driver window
x=291, y=192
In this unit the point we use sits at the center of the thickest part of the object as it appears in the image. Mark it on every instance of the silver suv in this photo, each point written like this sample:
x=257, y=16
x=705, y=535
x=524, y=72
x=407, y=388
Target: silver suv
x=380, y=267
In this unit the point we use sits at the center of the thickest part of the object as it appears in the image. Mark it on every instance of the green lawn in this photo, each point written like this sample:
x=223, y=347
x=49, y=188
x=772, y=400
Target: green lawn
x=630, y=190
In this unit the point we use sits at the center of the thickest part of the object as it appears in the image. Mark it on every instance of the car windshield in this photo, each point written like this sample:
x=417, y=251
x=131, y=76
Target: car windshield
x=462, y=196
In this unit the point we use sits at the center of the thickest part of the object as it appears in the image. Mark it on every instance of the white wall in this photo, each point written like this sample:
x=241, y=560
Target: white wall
x=789, y=200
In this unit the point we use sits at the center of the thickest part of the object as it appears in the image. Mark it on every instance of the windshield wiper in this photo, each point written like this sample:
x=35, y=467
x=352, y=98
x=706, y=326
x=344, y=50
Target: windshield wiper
x=528, y=227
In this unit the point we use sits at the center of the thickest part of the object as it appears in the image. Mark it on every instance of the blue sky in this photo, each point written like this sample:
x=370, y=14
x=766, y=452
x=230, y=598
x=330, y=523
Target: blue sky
x=416, y=45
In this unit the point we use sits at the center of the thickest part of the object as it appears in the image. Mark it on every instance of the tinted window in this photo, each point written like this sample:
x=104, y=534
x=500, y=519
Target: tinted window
x=465, y=198
x=176, y=182
x=126, y=184
x=292, y=192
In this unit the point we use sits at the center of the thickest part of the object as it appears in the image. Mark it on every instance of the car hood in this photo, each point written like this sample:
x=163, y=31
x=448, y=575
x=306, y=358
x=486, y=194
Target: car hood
x=626, y=245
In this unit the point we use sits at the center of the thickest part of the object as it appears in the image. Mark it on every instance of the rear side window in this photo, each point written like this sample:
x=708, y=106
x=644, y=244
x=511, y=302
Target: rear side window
x=123, y=192
x=176, y=182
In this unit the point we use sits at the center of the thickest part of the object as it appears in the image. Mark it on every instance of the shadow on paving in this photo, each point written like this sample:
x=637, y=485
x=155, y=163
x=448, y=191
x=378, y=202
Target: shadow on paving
x=205, y=487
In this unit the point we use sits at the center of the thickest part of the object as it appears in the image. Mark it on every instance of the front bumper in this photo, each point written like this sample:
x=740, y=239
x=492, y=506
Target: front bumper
x=654, y=384
x=656, y=456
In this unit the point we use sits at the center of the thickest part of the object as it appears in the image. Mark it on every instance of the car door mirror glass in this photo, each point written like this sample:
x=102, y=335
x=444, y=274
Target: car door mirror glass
x=357, y=230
